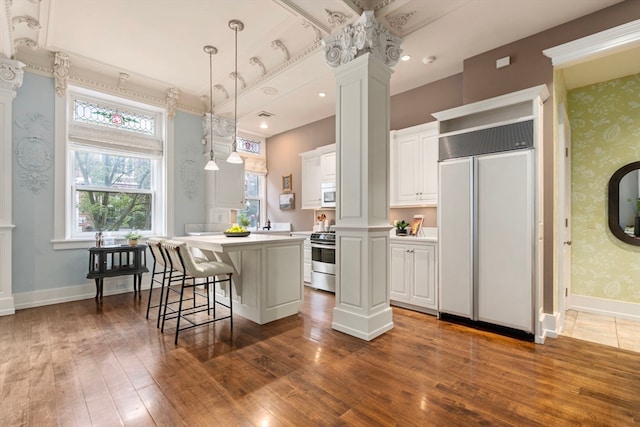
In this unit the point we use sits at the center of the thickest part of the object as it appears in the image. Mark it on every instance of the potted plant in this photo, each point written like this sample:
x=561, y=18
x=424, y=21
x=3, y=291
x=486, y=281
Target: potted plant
x=133, y=237
x=401, y=227
x=244, y=221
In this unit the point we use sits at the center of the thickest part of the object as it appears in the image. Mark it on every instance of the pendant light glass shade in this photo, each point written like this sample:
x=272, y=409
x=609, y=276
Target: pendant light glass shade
x=211, y=164
x=234, y=157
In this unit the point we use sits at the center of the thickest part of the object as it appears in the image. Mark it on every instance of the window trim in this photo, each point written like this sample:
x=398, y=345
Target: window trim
x=63, y=188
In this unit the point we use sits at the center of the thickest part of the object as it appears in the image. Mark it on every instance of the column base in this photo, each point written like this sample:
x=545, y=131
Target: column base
x=360, y=326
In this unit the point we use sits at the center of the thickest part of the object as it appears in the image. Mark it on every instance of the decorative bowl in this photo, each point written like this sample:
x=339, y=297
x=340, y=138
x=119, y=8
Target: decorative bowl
x=239, y=234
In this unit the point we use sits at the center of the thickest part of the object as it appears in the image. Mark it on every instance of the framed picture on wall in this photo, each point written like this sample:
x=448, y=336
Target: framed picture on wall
x=287, y=184
x=287, y=201
x=416, y=224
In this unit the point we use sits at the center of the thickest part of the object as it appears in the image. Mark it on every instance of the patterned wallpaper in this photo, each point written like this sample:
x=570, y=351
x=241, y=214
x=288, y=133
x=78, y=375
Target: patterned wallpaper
x=605, y=126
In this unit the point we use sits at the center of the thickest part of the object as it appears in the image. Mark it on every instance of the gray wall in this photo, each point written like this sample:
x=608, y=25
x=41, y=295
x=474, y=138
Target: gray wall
x=36, y=266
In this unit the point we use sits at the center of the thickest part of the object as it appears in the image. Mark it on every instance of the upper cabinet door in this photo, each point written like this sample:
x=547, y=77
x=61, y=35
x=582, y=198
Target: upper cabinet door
x=414, y=166
x=328, y=167
x=311, y=186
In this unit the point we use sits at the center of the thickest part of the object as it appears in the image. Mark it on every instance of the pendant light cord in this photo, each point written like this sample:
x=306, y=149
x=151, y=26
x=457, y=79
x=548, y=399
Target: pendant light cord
x=211, y=105
x=235, y=104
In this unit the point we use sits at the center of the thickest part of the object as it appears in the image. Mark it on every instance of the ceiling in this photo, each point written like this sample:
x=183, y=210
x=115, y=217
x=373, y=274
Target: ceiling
x=280, y=58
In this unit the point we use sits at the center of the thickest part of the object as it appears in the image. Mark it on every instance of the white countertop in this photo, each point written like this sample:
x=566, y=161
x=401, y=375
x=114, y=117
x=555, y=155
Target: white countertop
x=222, y=243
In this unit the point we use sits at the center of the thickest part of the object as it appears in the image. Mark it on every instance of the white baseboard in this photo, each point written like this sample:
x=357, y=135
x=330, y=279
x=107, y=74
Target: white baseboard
x=112, y=286
x=605, y=307
x=549, y=325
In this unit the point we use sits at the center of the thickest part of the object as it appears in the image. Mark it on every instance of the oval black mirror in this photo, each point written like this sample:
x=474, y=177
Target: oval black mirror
x=624, y=203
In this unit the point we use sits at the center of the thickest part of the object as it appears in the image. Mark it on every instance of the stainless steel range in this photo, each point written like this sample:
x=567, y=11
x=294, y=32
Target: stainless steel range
x=323, y=260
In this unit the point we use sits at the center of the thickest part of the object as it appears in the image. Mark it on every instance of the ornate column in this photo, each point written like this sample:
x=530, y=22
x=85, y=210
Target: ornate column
x=363, y=54
x=10, y=80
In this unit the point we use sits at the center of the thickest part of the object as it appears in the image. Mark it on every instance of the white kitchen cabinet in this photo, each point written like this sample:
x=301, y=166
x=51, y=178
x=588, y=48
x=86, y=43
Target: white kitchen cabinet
x=328, y=166
x=414, y=166
x=224, y=187
x=413, y=275
x=318, y=166
x=306, y=251
x=311, y=185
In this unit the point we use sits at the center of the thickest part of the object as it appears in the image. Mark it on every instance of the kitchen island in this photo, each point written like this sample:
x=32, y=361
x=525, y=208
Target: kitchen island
x=268, y=272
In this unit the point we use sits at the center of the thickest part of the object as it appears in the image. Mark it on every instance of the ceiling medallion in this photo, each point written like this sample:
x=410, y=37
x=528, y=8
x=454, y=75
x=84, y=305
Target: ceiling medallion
x=269, y=90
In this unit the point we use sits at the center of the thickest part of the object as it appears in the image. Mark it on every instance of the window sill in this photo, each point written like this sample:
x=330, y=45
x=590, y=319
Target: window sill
x=73, y=244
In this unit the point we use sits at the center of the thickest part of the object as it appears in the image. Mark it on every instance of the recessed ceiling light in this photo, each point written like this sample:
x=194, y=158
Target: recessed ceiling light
x=428, y=59
x=263, y=126
x=322, y=94
x=405, y=57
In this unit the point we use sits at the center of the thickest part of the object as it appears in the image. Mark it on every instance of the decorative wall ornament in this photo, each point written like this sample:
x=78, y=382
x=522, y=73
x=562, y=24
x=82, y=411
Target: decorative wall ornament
x=27, y=42
x=364, y=35
x=122, y=81
x=336, y=18
x=307, y=24
x=190, y=176
x=11, y=74
x=29, y=20
x=221, y=127
x=269, y=90
x=232, y=76
x=172, y=101
x=33, y=154
x=255, y=61
x=277, y=44
x=61, y=63
x=222, y=90
x=397, y=22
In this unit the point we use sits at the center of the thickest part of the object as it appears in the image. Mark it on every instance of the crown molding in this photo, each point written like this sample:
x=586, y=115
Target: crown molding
x=595, y=45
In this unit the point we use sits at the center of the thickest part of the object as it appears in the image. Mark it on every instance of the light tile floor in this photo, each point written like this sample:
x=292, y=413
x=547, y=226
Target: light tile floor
x=607, y=330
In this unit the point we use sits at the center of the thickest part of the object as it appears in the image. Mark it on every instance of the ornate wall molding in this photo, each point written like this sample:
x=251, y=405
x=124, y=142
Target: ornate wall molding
x=27, y=42
x=222, y=127
x=29, y=20
x=235, y=75
x=61, y=63
x=316, y=30
x=11, y=74
x=222, y=90
x=336, y=18
x=190, y=175
x=255, y=61
x=33, y=154
x=397, y=22
x=366, y=35
x=172, y=100
x=122, y=81
x=277, y=44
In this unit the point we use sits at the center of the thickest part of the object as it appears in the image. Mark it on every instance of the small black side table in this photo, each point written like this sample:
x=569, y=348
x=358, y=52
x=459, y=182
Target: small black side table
x=114, y=261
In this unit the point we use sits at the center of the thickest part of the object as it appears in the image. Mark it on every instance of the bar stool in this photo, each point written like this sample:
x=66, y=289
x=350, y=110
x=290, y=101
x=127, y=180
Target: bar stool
x=182, y=261
x=159, y=273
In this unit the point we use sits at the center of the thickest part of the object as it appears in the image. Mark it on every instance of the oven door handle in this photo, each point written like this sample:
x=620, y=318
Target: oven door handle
x=321, y=246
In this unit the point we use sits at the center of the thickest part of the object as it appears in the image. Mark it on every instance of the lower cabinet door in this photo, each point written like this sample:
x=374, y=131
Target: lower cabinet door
x=424, y=283
x=400, y=273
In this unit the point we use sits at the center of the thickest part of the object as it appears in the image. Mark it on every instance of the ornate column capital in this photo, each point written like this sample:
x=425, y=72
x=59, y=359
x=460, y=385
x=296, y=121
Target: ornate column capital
x=11, y=75
x=366, y=35
x=61, y=63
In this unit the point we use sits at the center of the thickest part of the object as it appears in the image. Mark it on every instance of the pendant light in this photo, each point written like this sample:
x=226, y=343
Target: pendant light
x=211, y=164
x=234, y=157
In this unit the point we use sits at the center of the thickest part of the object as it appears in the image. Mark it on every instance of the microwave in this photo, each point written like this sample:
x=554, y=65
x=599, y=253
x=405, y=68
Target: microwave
x=328, y=199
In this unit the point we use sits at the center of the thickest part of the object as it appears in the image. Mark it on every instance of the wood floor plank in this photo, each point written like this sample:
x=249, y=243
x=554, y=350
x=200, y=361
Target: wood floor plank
x=82, y=364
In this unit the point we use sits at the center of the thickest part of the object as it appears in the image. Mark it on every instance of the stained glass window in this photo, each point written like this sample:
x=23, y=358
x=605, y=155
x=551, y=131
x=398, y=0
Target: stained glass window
x=115, y=118
x=248, y=145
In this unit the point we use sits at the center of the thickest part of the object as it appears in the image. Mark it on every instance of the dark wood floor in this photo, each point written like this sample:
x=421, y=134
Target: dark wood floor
x=79, y=364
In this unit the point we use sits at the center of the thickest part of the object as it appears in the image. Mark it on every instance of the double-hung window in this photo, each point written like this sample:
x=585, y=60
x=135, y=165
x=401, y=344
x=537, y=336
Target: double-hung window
x=254, y=157
x=115, y=167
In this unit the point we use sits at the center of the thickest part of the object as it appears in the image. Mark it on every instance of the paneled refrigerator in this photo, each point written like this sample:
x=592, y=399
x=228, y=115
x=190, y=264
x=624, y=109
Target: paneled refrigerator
x=486, y=225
